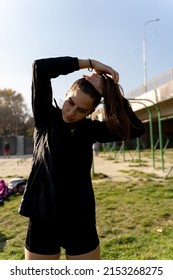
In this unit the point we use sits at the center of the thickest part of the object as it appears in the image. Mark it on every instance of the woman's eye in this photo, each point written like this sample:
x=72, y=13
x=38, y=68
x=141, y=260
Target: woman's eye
x=70, y=102
x=82, y=111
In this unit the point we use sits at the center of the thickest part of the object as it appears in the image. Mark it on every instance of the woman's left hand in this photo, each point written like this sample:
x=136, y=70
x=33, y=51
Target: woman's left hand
x=97, y=81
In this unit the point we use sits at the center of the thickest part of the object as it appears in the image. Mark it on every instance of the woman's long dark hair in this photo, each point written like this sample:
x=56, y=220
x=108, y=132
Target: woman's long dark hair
x=116, y=107
x=87, y=88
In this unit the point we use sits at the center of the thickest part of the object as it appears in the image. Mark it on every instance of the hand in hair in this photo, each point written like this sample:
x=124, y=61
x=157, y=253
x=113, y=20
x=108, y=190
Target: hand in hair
x=97, y=81
x=101, y=68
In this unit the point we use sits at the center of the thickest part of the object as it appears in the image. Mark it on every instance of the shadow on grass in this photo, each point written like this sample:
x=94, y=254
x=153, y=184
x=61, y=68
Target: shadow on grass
x=97, y=176
x=3, y=239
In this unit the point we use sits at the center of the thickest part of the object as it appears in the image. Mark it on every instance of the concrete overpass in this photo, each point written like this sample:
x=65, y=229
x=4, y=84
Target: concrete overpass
x=155, y=104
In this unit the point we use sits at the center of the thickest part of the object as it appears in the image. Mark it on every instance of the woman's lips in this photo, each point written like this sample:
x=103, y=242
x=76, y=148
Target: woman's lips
x=68, y=119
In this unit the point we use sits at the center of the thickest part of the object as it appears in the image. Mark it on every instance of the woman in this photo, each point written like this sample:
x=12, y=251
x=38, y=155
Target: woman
x=6, y=149
x=59, y=198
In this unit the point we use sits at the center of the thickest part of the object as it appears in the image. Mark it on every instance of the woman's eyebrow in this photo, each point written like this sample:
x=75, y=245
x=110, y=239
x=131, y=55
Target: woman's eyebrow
x=71, y=100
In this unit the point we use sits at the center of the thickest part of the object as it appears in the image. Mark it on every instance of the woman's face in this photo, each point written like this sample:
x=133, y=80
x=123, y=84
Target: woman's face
x=77, y=106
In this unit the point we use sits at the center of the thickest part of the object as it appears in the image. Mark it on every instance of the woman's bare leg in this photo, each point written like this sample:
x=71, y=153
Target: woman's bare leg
x=93, y=255
x=33, y=256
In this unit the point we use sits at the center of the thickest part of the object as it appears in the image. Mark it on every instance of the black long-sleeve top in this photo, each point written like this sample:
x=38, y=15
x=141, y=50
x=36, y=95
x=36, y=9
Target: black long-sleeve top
x=60, y=175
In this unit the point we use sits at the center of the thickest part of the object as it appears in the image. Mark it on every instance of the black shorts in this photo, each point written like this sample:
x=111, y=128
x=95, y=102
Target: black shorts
x=47, y=238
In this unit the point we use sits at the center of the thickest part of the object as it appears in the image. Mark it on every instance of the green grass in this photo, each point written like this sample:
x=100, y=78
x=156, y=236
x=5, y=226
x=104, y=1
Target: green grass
x=134, y=220
x=12, y=230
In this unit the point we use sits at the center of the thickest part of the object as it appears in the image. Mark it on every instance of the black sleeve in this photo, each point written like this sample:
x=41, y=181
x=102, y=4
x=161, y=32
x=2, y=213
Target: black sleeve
x=103, y=134
x=43, y=71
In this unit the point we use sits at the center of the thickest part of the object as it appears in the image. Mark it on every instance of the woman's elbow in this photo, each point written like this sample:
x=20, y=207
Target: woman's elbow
x=137, y=132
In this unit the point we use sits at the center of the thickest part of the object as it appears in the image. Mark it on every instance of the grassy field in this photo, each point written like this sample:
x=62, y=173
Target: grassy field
x=134, y=220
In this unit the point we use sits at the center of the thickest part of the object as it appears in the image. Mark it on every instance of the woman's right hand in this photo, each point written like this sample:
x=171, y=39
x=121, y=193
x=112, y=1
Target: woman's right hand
x=101, y=68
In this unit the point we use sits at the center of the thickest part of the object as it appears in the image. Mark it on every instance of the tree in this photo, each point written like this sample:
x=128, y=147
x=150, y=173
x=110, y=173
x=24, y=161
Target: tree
x=14, y=116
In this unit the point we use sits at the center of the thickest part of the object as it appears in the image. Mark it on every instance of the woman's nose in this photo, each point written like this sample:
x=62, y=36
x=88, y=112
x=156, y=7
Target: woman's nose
x=71, y=112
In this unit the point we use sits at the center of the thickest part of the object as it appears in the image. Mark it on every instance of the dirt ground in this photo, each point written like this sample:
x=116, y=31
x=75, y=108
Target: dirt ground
x=14, y=166
x=120, y=170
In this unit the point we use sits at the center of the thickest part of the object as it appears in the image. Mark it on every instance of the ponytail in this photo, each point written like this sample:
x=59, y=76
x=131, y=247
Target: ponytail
x=116, y=108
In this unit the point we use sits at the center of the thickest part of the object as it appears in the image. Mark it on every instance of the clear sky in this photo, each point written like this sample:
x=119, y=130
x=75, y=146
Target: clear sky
x=111, y=31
